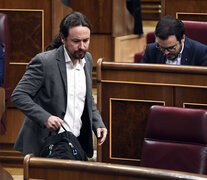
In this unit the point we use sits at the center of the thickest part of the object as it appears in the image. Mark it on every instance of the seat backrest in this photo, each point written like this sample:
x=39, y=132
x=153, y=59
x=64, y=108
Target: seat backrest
x=176, y=139
x=5, y=42
x=150, y=37
x=196, y=30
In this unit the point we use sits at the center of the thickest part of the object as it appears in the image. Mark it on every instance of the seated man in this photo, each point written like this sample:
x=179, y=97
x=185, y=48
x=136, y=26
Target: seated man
x=1, y=65
x=173, y=47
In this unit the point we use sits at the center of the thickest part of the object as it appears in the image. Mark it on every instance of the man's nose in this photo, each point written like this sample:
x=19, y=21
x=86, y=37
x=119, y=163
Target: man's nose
x=81, y=45
x=166, y=52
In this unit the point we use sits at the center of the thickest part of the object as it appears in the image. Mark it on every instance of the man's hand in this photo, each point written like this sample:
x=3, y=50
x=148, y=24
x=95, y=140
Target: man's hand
x=101, y=135
x=53, y=123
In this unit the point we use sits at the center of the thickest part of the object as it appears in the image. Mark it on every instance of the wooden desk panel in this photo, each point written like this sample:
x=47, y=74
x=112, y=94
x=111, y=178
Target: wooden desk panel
x=189, y=97
x=120, y=103
x=127, y=90
x=53, y=169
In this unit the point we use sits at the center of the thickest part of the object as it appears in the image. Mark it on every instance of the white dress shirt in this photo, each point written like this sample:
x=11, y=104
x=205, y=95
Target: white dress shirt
x=76, y=93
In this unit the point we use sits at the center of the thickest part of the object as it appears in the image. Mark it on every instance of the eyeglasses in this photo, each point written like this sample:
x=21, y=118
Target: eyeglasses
x=169, y=49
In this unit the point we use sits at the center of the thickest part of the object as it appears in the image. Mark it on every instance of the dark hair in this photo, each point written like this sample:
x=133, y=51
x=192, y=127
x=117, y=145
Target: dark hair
x=71, y=20
x=169, y=25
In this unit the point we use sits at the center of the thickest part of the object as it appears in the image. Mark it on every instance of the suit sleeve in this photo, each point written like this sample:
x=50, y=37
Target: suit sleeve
x=147, y=57
x=203, y=56
x=24, y=94
x=97, y=121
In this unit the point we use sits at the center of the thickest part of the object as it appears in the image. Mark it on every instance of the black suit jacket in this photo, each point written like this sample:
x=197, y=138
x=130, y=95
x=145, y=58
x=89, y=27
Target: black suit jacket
x=194, y=53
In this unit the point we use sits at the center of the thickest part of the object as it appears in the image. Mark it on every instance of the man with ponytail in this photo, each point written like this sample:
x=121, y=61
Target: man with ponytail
x=56, y=90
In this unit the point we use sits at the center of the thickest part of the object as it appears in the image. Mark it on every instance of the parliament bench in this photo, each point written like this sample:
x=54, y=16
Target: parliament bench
x=125, y=93
x=55, y=169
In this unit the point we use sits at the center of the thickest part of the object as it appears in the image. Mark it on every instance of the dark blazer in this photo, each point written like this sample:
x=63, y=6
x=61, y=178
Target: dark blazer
x=194, y=53
x=42, y=92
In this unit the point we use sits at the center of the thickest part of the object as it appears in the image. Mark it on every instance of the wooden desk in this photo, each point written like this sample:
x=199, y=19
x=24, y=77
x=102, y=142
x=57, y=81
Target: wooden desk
x=53, y=169
x=127, y=90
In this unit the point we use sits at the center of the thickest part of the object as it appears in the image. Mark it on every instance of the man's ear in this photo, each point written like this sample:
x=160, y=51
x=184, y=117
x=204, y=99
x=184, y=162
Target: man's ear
x=183, y=38
x=62, y=39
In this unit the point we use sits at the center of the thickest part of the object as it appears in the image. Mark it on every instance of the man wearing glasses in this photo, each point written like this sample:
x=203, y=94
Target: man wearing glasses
x=173, y=47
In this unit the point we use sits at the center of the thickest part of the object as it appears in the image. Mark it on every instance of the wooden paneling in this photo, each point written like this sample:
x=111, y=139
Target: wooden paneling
x=8, y=156
x=134, y=122
x=127, y=90
x=101, y=45
x=4, y=174
x=30, y=5
x=198, y=97
x=31, y=36
x=184, y=7
x=58, y=12
x=14, y=122
x=192, y=16
x=32, y=27
x=98, y=12
x=127, y=46
x=107, y=17
x=151, y=9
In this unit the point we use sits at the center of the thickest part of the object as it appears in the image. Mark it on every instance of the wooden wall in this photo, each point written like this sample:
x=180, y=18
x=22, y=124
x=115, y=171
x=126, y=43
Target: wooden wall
x=151, y=9
x=185, y=9
x=109, y=19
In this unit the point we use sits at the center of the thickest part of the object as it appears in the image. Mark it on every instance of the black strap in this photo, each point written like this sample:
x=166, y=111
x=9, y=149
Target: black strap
x=56, y=132
x=63, y=127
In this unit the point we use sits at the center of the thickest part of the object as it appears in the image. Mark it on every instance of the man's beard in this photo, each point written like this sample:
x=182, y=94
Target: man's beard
x=80, y=54
x=171, y=56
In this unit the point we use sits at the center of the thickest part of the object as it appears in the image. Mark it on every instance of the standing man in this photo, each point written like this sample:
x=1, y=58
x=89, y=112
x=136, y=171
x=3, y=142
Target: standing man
x=56, y=90
x=173, y=47
x=134, y=7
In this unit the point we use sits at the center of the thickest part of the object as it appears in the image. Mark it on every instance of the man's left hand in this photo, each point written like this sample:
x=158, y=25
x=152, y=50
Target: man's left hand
x=101, y=135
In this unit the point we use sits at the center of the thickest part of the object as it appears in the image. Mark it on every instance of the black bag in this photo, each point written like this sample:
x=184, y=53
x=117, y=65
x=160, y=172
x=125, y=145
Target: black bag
x=63, y=146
